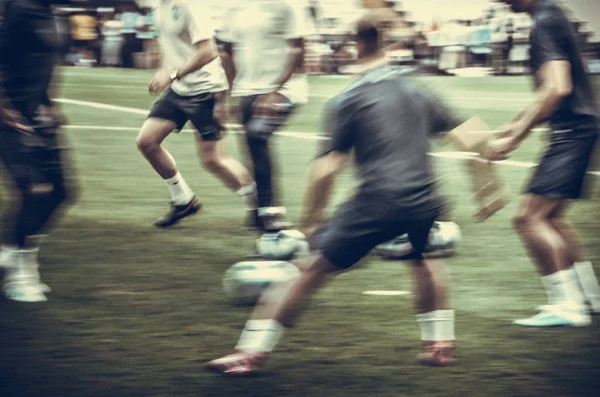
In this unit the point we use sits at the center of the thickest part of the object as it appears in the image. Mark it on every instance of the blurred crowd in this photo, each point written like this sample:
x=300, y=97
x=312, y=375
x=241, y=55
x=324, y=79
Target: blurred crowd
x=119, y=37
x=496, y=40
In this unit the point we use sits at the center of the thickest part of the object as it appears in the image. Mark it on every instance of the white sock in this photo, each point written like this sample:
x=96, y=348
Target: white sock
x=437, y=325
x=248, y=193
x=260, y=336
x=180, y=191
x=589, y=283
x=554, y=288
x=572, y=289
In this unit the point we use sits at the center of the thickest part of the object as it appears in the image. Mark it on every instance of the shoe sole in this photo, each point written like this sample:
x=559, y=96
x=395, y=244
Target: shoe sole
x=574, y=324
x=248, y=374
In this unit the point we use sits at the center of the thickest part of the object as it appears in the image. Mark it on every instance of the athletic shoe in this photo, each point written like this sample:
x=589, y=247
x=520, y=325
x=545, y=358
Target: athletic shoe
x=178, y=212
x=238, y=364
x=556, y=316
x=24, y=291
x=437, y=354
x=268, y=220
x=22, y=279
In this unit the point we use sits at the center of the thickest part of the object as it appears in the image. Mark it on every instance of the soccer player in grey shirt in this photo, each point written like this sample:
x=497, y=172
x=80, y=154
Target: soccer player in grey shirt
x=386, y=120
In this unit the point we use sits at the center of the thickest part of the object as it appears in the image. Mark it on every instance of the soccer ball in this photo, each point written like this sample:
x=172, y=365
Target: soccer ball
x=444, y=237
x=283, y=245
x=245, y=281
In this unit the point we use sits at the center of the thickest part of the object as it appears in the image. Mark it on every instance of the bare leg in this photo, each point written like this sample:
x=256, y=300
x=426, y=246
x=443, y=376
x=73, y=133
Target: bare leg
x=430, y=281
x=550, y=251
x=575, y=249
x=231, y=172
x=546, y=247
x=153, y=133
x=284, y=301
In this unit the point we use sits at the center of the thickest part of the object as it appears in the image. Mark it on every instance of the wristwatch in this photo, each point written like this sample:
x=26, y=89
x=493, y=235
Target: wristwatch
x=174, y=75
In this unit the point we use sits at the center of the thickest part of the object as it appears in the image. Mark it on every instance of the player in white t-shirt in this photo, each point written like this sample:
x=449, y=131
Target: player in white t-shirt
x=193, y=83
x=265, y=51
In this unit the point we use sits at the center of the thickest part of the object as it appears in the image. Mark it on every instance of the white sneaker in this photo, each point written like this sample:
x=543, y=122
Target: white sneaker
x=22, y=280
x=556, y=316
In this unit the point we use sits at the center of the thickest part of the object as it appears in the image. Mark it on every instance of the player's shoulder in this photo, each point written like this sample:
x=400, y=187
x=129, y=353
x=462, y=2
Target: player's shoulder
x=549, y=15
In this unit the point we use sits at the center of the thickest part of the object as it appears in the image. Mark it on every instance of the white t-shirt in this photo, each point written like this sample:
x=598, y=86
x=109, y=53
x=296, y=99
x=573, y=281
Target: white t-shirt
x=180, y=25
x=259, y=30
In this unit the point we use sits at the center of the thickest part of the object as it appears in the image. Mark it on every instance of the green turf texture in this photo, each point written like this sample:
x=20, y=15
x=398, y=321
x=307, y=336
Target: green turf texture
x=136, y=311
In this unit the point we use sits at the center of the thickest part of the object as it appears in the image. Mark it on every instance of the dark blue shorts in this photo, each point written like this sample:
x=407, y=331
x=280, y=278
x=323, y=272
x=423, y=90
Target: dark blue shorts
x=198, y=109
x=562, y=171
x=361, y=225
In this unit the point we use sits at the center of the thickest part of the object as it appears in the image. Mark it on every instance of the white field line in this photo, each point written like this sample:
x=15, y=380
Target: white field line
x=235, y=128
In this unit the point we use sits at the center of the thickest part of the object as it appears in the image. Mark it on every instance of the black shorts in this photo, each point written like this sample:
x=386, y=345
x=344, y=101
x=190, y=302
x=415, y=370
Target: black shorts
x=263, y=127
x=361, y=225
x=198, y=109
x=562, y=171
x=33, y=158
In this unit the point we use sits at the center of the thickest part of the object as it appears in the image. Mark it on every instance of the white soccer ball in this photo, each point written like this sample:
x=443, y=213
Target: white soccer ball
x=444, y=237
x=245, y=281
x=283, y=245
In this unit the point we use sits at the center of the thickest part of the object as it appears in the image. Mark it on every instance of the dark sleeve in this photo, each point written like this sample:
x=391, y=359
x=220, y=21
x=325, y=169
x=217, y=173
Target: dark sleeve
x=550, y=39
x=339, y=130
x=10, y=27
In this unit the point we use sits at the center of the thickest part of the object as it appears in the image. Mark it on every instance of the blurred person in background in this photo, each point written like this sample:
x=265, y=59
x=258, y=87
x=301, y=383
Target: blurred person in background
x=31, y=142
x=264, y=43
x=84, y=31
x=146, y=34
x=129, y=19
x=110, y=28
x=565, y=99
x=192, y=82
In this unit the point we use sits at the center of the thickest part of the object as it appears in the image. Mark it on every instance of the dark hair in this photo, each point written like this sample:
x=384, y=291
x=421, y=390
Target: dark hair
x=368, y=34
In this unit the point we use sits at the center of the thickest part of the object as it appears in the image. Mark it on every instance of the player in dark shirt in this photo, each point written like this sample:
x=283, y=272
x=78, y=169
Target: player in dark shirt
x=386, y=120
x=31, y=147
x=566, y=100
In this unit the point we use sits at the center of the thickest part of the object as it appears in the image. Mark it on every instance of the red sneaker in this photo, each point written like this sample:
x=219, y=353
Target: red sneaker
x=238, y=364
x=437, y=354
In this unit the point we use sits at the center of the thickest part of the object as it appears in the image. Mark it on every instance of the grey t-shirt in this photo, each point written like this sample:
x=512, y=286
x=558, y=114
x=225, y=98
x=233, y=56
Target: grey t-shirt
x=553, y=38
x=387, y=119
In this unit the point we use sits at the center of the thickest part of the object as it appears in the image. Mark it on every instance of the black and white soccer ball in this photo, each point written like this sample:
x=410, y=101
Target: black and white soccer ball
x=444, y=238
x=283, y=245
x=245, y=281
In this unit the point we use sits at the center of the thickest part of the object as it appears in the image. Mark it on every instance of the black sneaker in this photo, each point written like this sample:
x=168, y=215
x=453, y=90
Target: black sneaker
x=267, y=223
x=178, y=212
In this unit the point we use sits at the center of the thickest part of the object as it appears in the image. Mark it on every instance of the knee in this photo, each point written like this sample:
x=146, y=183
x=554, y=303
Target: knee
x=146, y=144
x=211, y=163
x=258, y=130
x=522, y=221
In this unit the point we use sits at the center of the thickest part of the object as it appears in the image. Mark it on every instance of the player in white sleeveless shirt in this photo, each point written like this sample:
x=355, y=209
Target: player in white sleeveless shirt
x=265, y=52
x=192, y=81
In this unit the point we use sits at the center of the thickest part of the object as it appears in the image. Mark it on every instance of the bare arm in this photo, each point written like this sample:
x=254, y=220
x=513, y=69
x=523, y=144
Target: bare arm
x=293, y=63
x=555, y=85
x=229, y=62
x=320, y=187
x=206, y=52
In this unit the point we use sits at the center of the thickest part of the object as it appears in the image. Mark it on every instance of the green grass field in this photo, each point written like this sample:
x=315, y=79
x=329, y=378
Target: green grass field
x=136, y=311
